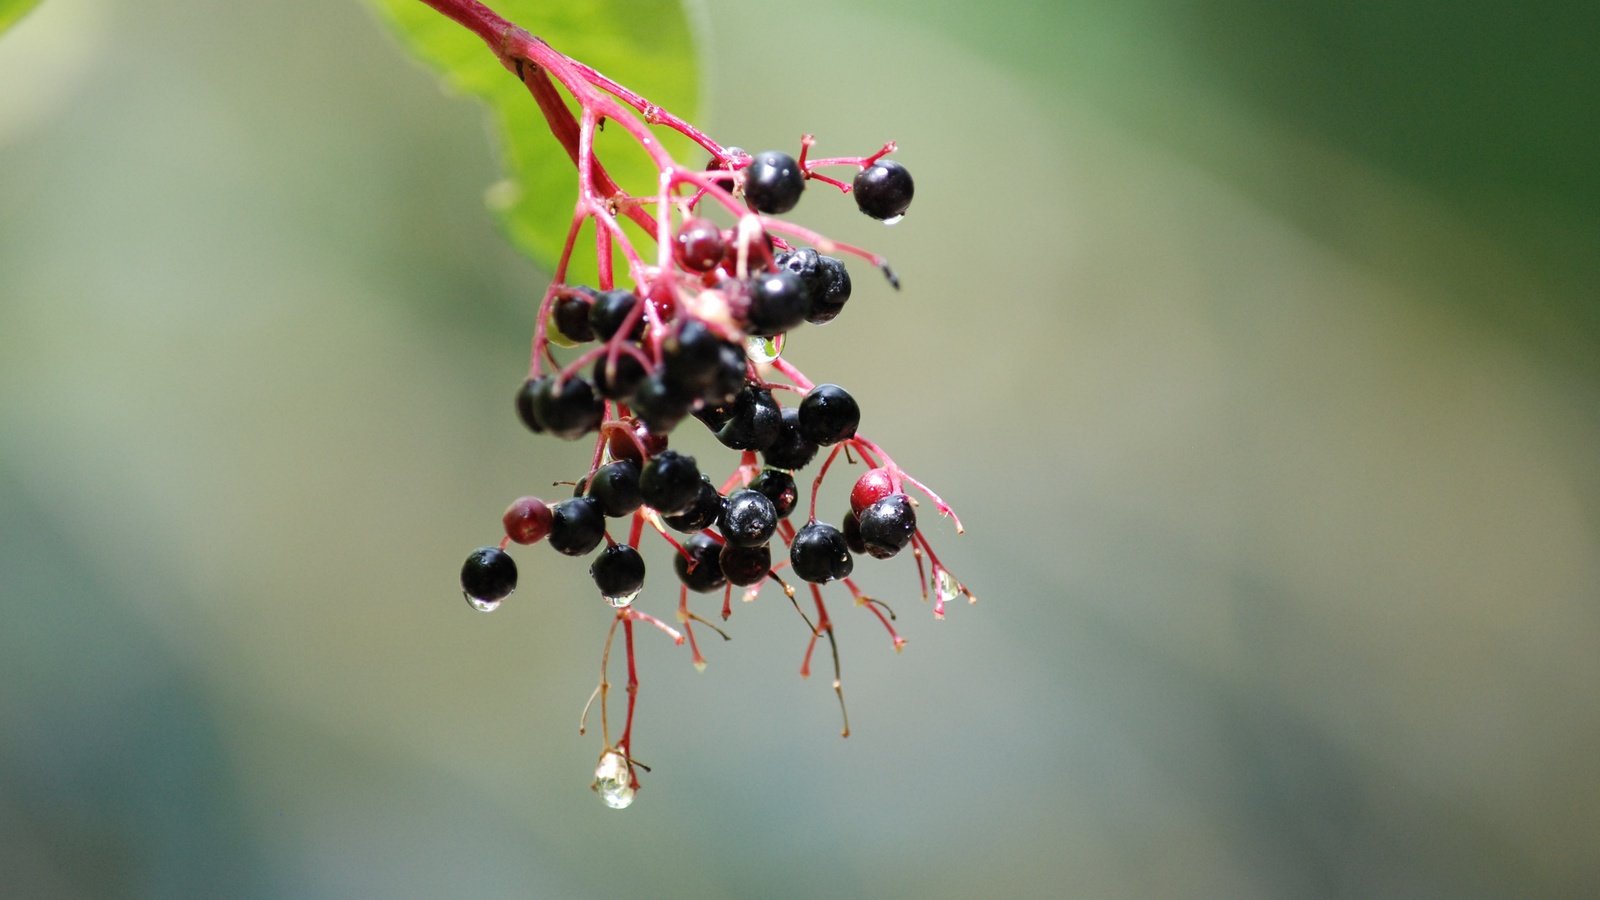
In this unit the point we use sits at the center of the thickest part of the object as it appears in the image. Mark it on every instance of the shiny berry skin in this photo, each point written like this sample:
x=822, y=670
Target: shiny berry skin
x=887, y=525
x=525, y=395
x=670, y=482
x=661, y=403
x=690, y=355
x=526, y=520
x=608, y=312
x=883, y=190
x=748, y=518
x=777, y=303
x=617, y=381
x=851, y=529
x=791, y=450
x=618, y=571
x=568, y=409
x=819, y=553
x=701, y=570
x=572, y=315
x=576, y=526
x=829, y=302
x=615, y=486
x=872, y=486
x=753, y=421
x=779, y=487
x=773, y=182
x=745, y=566
x=806, y=265
x=698, y=245
x=702, y=514
x=828, y=415
x=489, y=575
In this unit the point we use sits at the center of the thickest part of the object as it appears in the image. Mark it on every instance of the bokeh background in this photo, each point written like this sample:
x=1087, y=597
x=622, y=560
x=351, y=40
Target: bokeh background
x=1255, y=342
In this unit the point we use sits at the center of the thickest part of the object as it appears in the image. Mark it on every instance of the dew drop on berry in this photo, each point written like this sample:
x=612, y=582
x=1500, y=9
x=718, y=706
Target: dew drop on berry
x=761, y=350
x=613, y=780
x=481, y=605
x=622, y=601
x=894, y=220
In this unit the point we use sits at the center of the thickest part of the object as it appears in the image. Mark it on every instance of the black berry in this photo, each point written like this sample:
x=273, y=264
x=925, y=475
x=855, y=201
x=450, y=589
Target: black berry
x=791, y=450
x=883, y=190
x=777, y=303
x=525, y=395
x=773, y=182
x=887, y=525
x=829, y=302
x=745, y=566
x=615, y=486
x=702, y=514
x=661, y=403
x=851, y=529
x=748, y=518
x=828, y=415
x=576, y=526
x=701, y=570
x=618, y=571
x=608, y=312
x=568, y=409
x=779, y=487
x=753, y=422
x=819, y=553
x=617, y=380
x=488, y=576
x=691, y=354
x=670, y=482
x=572, y=315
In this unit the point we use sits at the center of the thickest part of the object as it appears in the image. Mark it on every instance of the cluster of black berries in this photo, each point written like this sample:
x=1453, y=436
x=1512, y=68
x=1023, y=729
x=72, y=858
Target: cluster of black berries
x=676, y=349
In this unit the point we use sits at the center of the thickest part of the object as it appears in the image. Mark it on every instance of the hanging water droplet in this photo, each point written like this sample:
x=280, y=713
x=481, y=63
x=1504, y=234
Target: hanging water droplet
x=894, y=219
x=613, y=780
x=481, y=605
x=761, y=350
x=750, y=594
x=946, y=586
x=622, y=601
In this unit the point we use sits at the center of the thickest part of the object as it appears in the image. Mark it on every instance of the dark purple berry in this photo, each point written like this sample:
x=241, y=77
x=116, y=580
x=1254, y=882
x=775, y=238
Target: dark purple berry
x=618, y=571
x=828, y=415
x=661, y=403
x=526, y=520
x=704, y=512
x=572, y=315
x=851, y=529
x=887, y=525
x=690, y=354
x=753, y=422
x=568, y=409
x=777, y=303
x=488, y=576
x=610, y=310
x=779, y=487
x=620, y=379
x=701, y=569
x=791, y=450
x=576, y=525
x=670, y=482
x=773, y=182
x=819, y=553
x=525, y=395
x=883, y=190
x=745, y=566
x=748, y=518
x=615, y=486
x=829, y=302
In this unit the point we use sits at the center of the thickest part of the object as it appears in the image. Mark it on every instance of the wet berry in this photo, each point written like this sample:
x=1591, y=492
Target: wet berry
x=872, y=486
x=700, y=515
x=745, y=566
x=610, y=310
x=698, y=245
x=670, y=482
x=526, y=520
x=753, y=422
x=883, y=190
x=779, y=487
x=806, y=265
x=791, y=450
x=568, y=409
x=525, y=395
x=618, y=571
x=572, y=315
x=777, y=303
x=701, y=570
x=748, y=518
x=819, y=553
x=488, y=576
x=615, y=486
x=887, y=525
x=773, y=182
x=576, y=525
x=619, y=379
x=828, y=415
x=829, y=302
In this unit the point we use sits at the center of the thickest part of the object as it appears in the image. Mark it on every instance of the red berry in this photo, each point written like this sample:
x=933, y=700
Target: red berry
x=698, y=245
x=527, y=520
x=872, y=486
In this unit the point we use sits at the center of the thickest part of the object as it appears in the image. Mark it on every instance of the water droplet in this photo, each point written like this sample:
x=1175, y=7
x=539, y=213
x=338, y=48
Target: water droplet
x=894, y=220
x=946, y=586
x=481, y=605
x=750, y=594
x=761, y=350
x=622, y=601
x=613, y=780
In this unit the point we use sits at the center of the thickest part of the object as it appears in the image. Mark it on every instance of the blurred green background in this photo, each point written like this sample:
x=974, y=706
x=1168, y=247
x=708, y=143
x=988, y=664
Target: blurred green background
x=1255, y=342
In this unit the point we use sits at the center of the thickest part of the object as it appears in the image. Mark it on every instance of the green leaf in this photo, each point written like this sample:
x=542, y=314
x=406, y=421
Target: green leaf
x=12, y=10
x=647, y=46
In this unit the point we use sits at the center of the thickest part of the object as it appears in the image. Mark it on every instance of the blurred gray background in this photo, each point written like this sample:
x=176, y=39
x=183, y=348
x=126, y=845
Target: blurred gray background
x=1255, y=343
